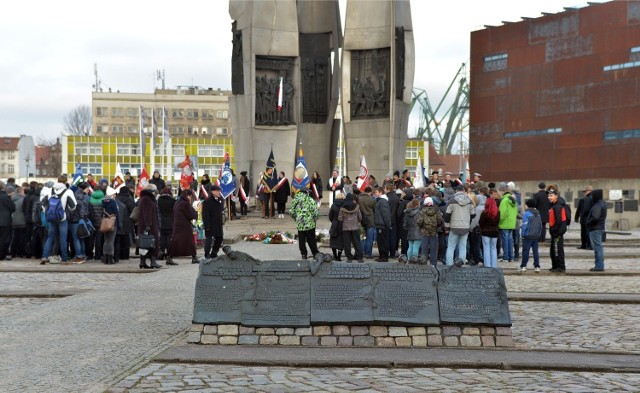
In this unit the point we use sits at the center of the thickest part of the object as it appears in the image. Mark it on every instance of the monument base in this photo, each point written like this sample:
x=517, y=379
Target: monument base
x=354, y=336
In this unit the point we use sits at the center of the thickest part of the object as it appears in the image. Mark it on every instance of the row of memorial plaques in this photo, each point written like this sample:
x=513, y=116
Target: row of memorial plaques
x=284, y=293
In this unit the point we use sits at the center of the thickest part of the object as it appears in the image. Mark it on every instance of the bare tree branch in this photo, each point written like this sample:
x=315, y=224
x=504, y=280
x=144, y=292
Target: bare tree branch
x=78, y=121
x=45, y=141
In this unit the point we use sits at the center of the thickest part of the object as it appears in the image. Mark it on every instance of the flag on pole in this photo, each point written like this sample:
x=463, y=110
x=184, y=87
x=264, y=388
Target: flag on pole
x=418, y=181
x=143, y=180
x=363, y=176
x=154, y=135
x=225, y=178
x=165, y=126
x=118, y=179
x=269, y=178
x=143, y=147
x=280, y=93
x=186, y=177
x=300, y=174
x=77, y=176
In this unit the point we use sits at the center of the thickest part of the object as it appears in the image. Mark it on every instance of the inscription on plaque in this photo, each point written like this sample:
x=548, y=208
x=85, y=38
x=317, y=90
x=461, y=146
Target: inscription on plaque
x=220, y=288
x=341, y=292
x=405, y=294
x=473, y=295
x=280, y=296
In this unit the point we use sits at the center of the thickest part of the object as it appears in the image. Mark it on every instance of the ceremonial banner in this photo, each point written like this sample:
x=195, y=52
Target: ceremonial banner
x=300, y=174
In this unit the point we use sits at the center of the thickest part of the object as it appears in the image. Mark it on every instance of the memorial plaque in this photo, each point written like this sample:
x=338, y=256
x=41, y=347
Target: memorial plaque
x=315, y=67
x=405, y=294
x=280, y=295
x=220, y=288
x=342, y=292
x=370, y=73
x=473, y=295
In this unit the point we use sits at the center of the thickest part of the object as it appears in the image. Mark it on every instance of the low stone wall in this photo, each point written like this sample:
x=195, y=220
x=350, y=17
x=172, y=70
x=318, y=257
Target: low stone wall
x=354, y=336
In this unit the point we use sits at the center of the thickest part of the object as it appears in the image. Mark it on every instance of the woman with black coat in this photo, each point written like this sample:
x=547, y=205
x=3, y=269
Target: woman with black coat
x=212, y=211
x=148, y=223
x=316, y=192
x=282, y=194
x=336, y=236
x=125, y=234
x=166, y=201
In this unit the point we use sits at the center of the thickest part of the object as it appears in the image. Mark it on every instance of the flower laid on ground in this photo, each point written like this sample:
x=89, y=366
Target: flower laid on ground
x=272, y=237
x=321, y=234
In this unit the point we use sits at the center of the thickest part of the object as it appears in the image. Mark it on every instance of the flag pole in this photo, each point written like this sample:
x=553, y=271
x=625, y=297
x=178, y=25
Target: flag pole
x=153, y=139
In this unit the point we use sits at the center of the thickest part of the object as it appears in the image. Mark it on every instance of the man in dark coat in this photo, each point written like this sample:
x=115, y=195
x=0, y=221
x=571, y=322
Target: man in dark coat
x=123, y=238
x=394, y=201
x=582, y=213
x=212, y=211
x=166, y=201
x=157, y=181
x=148, y=223
x=282, y=194
x=7, y=207
x=543, y=206
x=182, y=242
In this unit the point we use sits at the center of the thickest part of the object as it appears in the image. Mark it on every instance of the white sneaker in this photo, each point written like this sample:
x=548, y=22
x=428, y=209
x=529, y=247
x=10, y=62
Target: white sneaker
x=523, y=269
x=537, y=270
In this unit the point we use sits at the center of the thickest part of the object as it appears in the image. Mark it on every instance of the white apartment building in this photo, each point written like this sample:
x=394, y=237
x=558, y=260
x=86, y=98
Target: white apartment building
x=17, y=157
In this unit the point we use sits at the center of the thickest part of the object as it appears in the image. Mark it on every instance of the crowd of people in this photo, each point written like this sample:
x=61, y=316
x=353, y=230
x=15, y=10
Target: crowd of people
x=447, y=221
x=450, y=221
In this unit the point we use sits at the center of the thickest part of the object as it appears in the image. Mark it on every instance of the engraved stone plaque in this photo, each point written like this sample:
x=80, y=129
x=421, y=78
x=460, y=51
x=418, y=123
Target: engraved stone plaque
x=315, y=67
x=220, y=288
x=341, y=292
x=280, y=296
x=370, y=72
x=405, y=294
x=473, y=295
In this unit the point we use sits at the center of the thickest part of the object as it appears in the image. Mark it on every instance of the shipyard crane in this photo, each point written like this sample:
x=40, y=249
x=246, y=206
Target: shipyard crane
x=442, y=127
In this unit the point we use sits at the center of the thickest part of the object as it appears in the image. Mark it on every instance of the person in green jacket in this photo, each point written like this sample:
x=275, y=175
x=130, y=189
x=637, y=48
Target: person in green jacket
x=508, y=216
x=304, y=212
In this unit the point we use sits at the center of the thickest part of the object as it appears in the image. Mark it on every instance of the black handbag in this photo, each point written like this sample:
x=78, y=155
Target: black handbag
x=146, y=241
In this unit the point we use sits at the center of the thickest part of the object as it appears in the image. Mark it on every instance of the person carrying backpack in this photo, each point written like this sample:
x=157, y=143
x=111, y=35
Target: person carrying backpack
x=55, y=202
x=530, y=231
x=76, y=218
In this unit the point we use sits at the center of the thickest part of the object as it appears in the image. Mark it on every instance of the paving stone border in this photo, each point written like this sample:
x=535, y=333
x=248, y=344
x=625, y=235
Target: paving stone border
x=353, y=336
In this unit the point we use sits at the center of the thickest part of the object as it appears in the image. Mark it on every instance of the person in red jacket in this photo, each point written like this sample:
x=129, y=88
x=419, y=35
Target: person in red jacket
x=557, y=229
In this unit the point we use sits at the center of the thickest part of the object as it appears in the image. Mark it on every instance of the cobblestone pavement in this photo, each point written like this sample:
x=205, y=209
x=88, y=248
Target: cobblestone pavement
x=220, y=378
x=579, y=263
x=92, y=340
x=576, y=326
x=10, y=305
x=58, y=281
x=532, y=282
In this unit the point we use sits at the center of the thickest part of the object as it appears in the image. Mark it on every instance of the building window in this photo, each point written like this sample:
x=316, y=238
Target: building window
x=89, y=149
x=495, y=62
x=132, y=112
x=207, y=114
x=615, y=67
x=211, y=170
x=222, y=114
x=622, y=134
x=211, y=151
x=101, y=111
x=178, y=151
x=192, y=114
x=177, y=113
x=12, y=155
x=117, y=128
x=177, y=130
x=222, y=131
x=411, y=153
x=131, y=129
x=102, y=128
x=11, y=168
x=532, y=132
x=123, y=149
x=117, y=112
x=3, y=168
x=93, y=168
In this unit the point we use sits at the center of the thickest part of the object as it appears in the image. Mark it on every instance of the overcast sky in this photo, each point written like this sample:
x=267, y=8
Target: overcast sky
x=48, y=49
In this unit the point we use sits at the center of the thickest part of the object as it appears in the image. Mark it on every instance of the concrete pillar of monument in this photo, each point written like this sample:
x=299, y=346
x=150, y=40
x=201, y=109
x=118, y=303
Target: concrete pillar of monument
x=295, y=42
x=265, y=60
x=377, y=78
x=320, y=40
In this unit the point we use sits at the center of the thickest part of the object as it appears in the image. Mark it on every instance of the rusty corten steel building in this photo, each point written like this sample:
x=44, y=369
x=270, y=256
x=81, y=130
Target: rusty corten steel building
x=558, y=97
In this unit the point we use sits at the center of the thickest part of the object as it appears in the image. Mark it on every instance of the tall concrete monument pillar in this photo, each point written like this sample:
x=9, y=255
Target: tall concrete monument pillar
x=283, y=82
x=378, y=61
